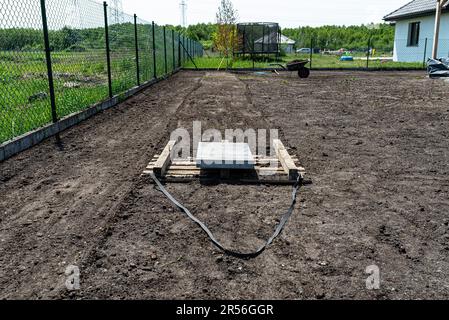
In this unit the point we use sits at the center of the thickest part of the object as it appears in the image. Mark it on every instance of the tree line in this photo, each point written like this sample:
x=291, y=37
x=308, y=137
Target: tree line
x=121, y=36
x=381, y=36
x=324, y=37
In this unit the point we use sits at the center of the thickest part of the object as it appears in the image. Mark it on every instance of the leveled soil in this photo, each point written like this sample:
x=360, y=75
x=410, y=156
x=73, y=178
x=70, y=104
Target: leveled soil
x=375, y=146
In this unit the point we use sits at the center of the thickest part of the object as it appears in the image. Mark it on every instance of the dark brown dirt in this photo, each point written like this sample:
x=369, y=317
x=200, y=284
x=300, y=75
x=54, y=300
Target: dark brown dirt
x=374, y=144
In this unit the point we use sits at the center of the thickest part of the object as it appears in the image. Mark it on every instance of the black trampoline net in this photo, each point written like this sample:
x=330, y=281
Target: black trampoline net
x=258, y=38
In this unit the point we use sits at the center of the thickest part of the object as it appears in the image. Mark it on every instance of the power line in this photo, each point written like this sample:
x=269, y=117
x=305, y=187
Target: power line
x=117, y=11
x=73, y=15
x=183, y=6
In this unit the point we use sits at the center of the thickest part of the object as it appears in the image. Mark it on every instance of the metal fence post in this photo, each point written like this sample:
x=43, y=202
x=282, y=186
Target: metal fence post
x=368, y=53
x=425, y=55
x=154, y=52
x=181, y=39
x=173, y=48
x=183, y=51
x=108, y=49
x=136, y=39
x=165, y=50
x=311, y=52
x=179, y=50
x=51, y=84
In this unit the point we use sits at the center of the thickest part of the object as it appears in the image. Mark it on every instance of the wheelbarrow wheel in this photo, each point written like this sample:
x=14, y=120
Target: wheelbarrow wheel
x=304, y=72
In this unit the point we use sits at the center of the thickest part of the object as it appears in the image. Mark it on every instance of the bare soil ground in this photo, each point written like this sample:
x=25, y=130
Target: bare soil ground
x=375, y=146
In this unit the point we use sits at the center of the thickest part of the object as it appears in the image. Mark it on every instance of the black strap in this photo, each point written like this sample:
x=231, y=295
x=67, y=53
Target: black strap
x=277, y=231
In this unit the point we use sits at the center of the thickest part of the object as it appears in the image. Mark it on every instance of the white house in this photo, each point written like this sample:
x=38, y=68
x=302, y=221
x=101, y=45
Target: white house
x=415, y=23
x=287, y=44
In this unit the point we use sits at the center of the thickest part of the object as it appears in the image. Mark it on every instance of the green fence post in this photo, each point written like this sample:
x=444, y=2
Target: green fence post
x=108, y=49
x=136, y=40
x=154, y=52
x=51, y=84
x=425, y=55
x=179, y=50
x=165, y=50
x=173, y=48
x=311, y=52
x=368, y=53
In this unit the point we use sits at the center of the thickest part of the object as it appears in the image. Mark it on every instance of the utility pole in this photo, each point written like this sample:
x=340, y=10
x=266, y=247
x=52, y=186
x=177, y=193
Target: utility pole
x=117, y=7
x=439, y=7
x=183, y=6
x=73, y=17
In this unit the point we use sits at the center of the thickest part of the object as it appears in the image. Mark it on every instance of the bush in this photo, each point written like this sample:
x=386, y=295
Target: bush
x=207, y=44
x=36, y=47
x=282, y=52
x=76, y=48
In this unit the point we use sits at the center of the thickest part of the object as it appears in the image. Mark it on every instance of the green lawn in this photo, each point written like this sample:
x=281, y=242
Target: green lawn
x=318, y=61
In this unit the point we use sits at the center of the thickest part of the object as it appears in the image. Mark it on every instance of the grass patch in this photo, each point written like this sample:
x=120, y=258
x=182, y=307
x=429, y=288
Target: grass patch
x=318, y=61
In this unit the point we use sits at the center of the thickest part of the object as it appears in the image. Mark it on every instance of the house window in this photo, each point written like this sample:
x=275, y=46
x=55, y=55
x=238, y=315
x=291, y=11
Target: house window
x=413, y=34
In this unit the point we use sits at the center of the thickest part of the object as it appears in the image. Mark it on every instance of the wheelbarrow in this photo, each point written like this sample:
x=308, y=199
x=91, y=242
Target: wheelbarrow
x=296, y=65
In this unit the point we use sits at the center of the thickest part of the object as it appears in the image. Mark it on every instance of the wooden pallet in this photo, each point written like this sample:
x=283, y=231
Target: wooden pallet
x=280, y=169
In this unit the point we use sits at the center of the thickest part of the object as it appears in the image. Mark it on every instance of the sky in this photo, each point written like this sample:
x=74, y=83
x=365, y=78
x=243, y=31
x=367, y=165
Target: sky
x=288, y=13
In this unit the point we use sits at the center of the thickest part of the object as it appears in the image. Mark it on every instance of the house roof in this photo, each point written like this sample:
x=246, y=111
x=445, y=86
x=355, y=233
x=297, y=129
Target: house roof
x=413, y=9
x=268, y=38
x=285, y=40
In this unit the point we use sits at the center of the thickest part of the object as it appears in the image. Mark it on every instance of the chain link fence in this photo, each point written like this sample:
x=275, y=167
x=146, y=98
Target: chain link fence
x=58, y=57
x=376, y=54
x=421, y=51
x=379, y=55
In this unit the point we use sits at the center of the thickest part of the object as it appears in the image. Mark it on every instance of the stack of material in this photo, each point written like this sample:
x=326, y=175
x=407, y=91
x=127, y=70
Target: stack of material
x=438, y=68
x=224, y=155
